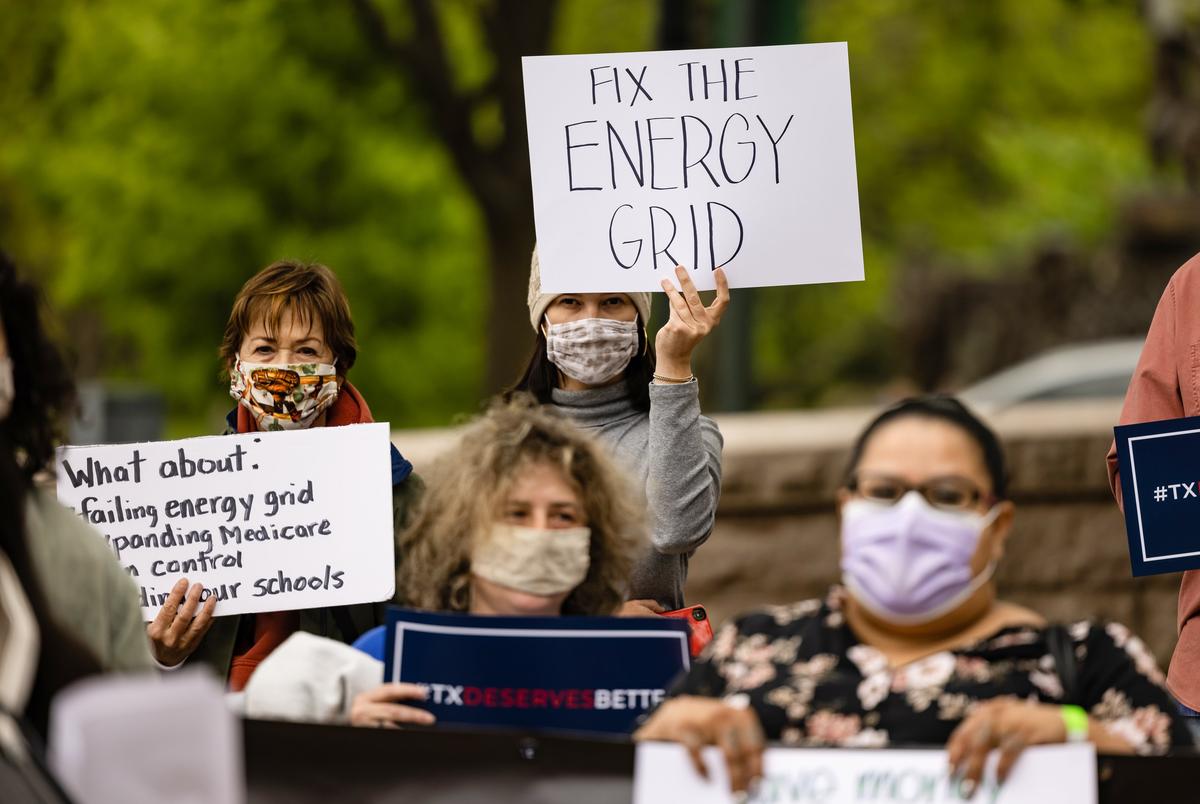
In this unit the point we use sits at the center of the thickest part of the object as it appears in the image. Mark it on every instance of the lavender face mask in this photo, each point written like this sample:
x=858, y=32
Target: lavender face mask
x=910, y=563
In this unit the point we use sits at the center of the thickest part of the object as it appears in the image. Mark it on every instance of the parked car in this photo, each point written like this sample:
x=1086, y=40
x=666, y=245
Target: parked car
x=1099, y=369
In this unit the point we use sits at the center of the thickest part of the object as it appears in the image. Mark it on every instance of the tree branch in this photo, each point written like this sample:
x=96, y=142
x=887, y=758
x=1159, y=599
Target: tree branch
x=423, y=59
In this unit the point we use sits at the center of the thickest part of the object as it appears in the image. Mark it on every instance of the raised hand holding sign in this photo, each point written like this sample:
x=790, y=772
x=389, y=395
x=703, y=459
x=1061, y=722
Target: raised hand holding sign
x=690, y=323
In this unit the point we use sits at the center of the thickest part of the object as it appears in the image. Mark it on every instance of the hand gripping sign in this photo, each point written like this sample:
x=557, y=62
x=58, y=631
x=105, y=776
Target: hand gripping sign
x=741, y=158
x=1062, y=774
x=265, y=521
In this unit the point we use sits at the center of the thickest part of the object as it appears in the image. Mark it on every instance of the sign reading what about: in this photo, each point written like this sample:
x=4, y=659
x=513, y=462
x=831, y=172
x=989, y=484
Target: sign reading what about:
x=264, y=521
x=576, y=674
x=1160, y=490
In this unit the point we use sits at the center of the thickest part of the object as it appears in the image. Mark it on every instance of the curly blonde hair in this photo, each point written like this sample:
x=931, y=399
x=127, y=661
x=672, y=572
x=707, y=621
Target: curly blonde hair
x=468, y=485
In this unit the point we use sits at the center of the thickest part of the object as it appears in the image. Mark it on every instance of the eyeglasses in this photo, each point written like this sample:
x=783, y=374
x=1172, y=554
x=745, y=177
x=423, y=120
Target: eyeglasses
x=950, y=493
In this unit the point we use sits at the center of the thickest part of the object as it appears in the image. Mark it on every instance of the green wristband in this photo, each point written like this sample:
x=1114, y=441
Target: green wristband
x=1076, y=721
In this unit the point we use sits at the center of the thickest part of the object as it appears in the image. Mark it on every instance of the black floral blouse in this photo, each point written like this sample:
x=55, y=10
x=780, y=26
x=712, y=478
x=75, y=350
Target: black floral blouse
x=813, y=683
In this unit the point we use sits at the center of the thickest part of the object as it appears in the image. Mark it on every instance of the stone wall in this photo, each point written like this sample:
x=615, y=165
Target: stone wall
x=776, y=534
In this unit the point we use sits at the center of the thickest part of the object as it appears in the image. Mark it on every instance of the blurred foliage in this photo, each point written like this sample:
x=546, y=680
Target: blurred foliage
x=981, y=129
x=156, y=153
x=162, y=152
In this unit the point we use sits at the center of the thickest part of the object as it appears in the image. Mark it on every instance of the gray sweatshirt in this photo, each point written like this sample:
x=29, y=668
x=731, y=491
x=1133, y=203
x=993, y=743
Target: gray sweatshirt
x=672, y=452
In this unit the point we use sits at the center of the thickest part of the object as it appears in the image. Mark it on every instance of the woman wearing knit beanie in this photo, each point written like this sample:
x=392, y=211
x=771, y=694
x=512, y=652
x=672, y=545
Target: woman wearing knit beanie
x=593, y=361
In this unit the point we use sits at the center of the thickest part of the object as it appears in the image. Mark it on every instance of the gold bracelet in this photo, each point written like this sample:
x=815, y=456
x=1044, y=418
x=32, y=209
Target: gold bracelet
x=674, y=380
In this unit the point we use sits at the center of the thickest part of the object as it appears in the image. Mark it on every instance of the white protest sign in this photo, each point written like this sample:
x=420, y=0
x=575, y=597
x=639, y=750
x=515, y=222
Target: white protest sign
x=1056, y=774
x=734, y=157
x=266, y=521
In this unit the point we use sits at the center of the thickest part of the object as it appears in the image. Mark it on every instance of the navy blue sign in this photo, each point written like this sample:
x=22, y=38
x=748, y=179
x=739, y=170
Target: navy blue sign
x=1160, y=488
x=593, y=674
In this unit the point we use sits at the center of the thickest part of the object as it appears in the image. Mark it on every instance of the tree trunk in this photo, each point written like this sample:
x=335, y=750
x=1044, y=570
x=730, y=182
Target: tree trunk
x=509, y=336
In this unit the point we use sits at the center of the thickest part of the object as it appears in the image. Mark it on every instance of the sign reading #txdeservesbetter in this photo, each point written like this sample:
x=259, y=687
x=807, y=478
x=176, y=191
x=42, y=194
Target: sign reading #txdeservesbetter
x=741, y=158
x=1160, y=490
x=580, y=674
x=265, y=521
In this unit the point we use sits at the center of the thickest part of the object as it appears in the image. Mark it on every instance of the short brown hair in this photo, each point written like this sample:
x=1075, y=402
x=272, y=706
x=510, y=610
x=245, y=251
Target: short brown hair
x=467, y=484
x=310, y=291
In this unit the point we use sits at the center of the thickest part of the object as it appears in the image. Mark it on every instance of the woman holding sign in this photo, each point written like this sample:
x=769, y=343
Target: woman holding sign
x=525, y=516
x=914, y=648
x=288, y=347
x=593, y=362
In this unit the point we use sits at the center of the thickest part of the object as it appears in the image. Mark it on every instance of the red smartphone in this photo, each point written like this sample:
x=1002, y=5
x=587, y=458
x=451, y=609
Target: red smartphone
x=698, y=622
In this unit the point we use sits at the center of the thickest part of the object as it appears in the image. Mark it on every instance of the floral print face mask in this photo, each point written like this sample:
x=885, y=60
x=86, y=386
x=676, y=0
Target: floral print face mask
x=284, y=396
x=592, y=350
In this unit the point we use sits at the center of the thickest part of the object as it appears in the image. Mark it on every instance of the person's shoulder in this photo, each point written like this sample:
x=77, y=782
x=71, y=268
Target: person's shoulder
x=1011, y=615
x=1186, y=279
x=55, y=527
x=64, y=545
x=784, y=618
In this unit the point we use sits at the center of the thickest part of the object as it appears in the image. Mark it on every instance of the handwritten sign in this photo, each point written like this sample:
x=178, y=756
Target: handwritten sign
x=734, y=157
x=265, y=521
x=1160, y=490
x=1059, y=774
x=593, y=674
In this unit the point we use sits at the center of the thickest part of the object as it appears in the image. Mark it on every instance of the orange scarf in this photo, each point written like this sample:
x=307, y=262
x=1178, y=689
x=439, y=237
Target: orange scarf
x=272, y=628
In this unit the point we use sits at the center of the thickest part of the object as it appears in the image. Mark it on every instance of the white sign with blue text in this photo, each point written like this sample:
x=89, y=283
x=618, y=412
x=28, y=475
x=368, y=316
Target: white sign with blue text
x=1048, y=774
x=741, y=158
x=265, y=521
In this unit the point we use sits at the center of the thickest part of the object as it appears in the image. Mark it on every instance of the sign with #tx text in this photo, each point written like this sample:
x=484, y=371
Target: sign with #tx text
x=741, y=158
x=1160, y=491
x=1053, y=774
x=582, y=674
x=265, y=521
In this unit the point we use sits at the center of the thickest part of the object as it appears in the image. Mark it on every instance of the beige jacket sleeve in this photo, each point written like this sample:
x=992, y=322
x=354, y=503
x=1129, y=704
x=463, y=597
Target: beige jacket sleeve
x=87, y=590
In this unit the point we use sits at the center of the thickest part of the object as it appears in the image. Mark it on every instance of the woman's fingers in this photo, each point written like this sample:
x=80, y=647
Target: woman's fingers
x=398, y=713
x=375, y=708
x=679, y=307
x=977, y=750
x=730, y=742
x=755, y=742
x=183, y=619
x=956, y=746
x=166, y=615
x=690, y=294
x=399, y=691
x=1010, y=750
x=695, y=745
x=201, y=623
x=721, y=301
x=740, y=740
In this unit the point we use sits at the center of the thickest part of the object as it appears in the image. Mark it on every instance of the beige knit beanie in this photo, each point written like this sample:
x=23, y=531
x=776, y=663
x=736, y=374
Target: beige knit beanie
x=538, y=301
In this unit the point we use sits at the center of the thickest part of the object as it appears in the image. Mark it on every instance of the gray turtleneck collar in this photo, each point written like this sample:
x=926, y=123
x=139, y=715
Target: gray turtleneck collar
x=597, y=407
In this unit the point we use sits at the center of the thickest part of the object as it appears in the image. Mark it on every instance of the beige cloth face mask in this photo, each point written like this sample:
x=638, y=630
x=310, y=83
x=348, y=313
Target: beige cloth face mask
x=533, y=560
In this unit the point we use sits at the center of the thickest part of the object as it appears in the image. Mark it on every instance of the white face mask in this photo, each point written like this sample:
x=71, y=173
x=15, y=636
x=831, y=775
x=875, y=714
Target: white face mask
x=7, y=390
x=592, y=350
x=533, y=560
